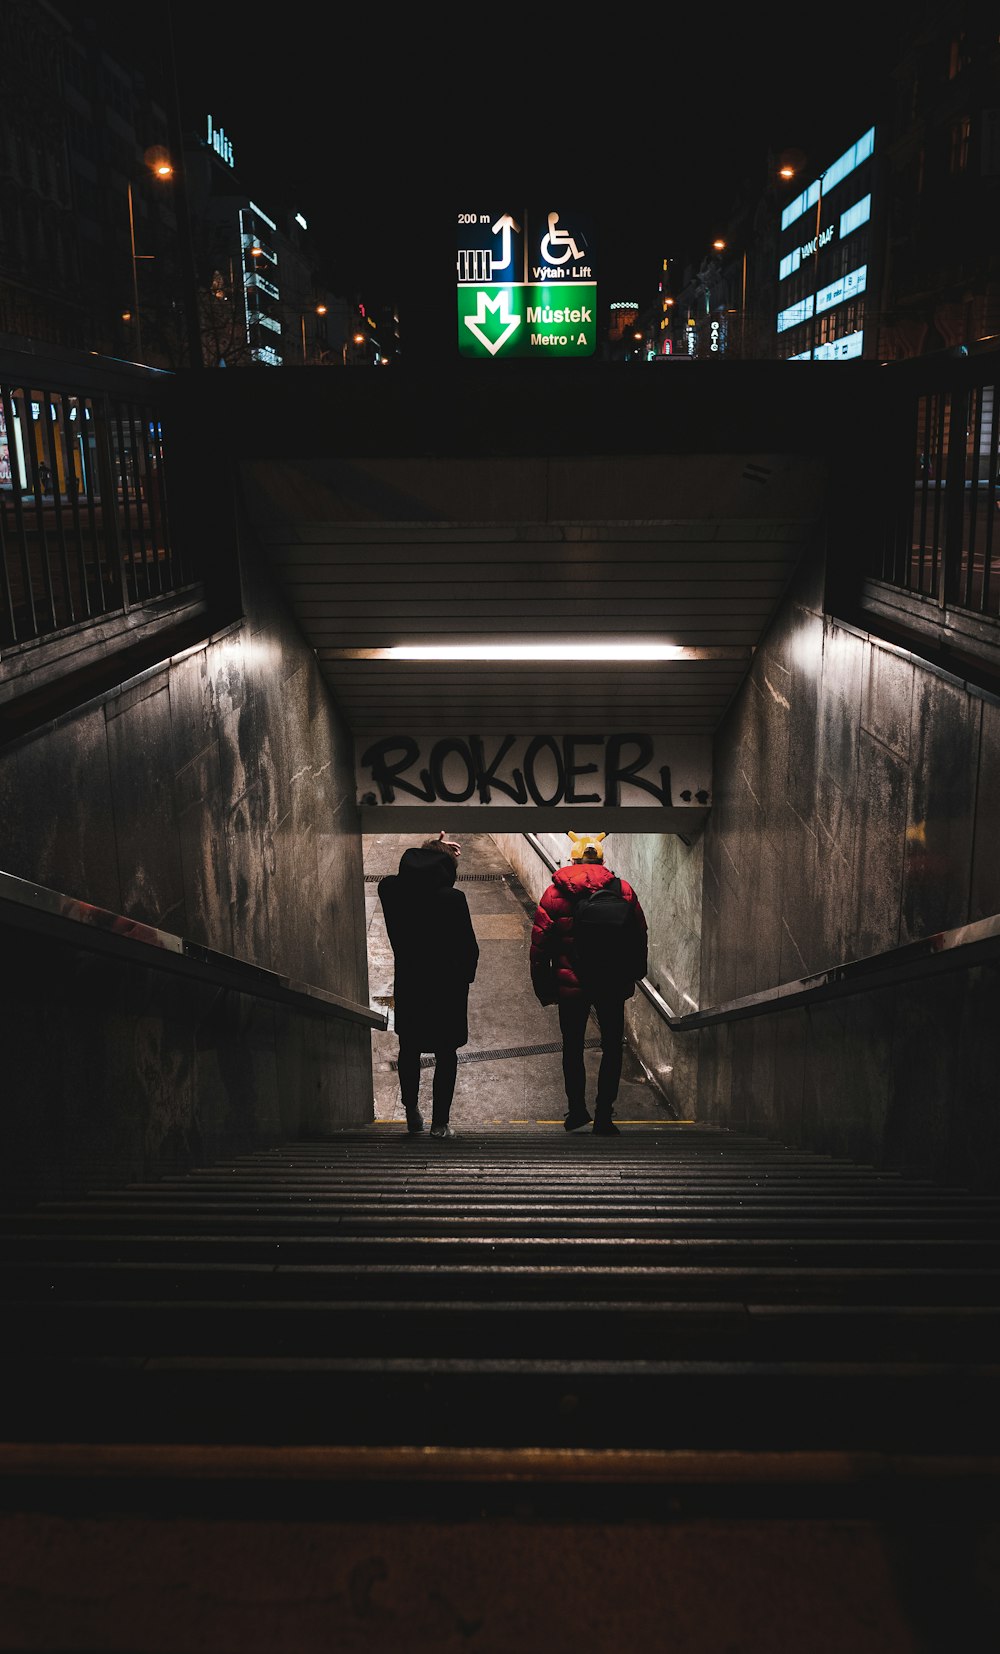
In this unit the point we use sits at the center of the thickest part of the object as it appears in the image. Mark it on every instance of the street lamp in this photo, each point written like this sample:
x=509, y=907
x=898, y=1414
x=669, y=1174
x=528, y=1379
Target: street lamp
x=719, y=245
x=135, y=276
x=320, y=311
x=788, y=170
x=357, y=338
x=160, y=167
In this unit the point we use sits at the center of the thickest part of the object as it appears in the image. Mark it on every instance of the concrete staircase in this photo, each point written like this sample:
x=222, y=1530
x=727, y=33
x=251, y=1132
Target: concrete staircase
x=683, y=1335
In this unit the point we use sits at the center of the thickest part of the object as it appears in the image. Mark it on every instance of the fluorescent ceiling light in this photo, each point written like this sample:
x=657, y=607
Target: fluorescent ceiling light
x=534, y=651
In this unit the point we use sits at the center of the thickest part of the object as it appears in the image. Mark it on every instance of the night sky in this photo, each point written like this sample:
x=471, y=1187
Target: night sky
x=381, y=141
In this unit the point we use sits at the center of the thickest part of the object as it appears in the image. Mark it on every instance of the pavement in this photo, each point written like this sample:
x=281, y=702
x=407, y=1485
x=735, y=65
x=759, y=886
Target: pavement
x=510, y=1072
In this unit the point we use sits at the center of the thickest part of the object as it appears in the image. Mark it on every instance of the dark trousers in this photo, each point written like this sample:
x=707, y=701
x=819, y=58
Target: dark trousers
x=443, y=1086
x=573, y=1014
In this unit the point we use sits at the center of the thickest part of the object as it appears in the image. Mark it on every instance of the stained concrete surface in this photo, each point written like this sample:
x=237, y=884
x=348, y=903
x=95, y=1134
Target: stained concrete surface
x=510, y=1072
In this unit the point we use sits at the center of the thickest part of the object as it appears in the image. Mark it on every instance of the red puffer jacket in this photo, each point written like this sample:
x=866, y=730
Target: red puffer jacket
x=552, y=974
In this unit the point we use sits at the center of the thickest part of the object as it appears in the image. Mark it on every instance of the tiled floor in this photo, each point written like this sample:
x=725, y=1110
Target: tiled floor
x=510, y=1073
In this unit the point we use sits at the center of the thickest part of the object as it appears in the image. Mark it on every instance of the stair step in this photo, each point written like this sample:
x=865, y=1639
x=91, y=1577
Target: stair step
x=201, y=1278
x=548, y=1330
x=893, y=1406
x=299, y=1244
x=348, y=1233
x=648, y=1216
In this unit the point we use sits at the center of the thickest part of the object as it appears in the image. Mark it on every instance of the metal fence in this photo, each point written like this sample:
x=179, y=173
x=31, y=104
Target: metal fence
x=943, y=542
x=84, y=518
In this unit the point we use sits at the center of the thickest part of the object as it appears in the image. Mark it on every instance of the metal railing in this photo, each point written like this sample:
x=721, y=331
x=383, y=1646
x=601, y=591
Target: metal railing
x=943, y=539
x=31, y=907
x=84, y=498
x=946, y=950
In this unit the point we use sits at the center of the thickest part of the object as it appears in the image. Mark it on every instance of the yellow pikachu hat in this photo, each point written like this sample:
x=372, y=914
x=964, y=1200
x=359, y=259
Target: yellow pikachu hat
x=587, y=846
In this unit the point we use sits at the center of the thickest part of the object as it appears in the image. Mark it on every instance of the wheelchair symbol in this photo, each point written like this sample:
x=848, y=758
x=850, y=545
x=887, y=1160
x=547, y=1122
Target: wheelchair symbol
x=553, y=238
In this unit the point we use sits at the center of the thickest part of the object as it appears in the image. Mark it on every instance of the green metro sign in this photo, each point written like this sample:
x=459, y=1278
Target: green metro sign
x=526, y=285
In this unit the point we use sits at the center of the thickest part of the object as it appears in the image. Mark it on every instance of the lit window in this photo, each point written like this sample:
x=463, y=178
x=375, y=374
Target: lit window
x=858, y=214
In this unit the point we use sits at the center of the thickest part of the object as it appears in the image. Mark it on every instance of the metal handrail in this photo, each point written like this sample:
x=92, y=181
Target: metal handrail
x=61, y=918
x=946, y=950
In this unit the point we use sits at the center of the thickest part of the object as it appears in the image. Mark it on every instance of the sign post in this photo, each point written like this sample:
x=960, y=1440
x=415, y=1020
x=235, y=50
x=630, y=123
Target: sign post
x=527, y=284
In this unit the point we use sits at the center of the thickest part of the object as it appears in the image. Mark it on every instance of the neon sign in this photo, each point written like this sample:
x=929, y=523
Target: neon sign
x=220, y=143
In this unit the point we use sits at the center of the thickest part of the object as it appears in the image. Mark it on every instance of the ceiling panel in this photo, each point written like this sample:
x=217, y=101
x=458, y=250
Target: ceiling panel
x=690, y=550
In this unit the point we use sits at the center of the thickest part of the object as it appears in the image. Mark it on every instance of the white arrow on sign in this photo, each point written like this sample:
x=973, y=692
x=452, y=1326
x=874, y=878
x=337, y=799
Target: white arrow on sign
x=499, y=306
x=505, y=225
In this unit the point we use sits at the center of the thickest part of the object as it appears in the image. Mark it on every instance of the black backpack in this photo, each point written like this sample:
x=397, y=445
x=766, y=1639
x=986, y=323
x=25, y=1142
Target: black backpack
x=604, y=938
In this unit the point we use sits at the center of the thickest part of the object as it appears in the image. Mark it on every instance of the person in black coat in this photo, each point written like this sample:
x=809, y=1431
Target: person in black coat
x=436, y=955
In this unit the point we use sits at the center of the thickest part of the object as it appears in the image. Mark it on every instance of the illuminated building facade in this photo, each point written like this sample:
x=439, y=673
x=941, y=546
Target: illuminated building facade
x=264, y=304
x=236, y=241
x=260, y=278
x=826, y=270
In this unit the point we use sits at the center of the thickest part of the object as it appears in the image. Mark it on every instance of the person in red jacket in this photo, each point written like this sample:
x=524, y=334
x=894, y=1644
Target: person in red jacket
x=555, y=980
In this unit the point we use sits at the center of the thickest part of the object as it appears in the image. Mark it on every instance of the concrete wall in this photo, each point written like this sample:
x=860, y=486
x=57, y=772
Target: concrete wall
x=212, y=797
x=527, y=864
x=856, y=807
x=666, y=875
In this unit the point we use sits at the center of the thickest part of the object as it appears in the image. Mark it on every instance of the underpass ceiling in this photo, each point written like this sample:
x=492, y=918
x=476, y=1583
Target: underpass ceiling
x=694, y=550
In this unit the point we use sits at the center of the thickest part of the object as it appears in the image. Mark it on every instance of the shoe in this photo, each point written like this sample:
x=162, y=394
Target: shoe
x=443, y=1131
x=606, y=1128
x=576, y=1119
x=414, y=1120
